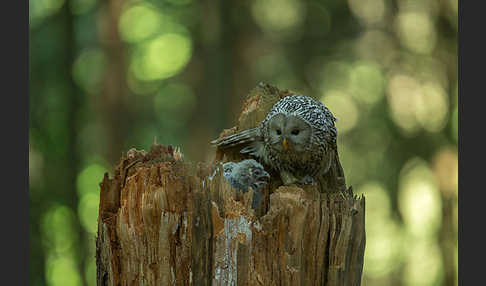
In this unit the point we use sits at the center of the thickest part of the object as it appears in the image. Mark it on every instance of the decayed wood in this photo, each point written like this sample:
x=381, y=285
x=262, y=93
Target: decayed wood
x=163, y=221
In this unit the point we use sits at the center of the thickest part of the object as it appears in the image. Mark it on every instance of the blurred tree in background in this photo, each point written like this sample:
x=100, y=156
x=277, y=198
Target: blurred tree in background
x=106, y=76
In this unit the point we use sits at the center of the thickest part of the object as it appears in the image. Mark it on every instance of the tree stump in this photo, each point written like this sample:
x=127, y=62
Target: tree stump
x=164, y=221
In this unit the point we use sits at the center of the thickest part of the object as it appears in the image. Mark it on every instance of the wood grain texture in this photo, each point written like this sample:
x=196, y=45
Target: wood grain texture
x=164, y=221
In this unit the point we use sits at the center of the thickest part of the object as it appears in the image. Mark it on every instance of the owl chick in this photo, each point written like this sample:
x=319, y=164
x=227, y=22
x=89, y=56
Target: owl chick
x=297, y=138
x=245, y=174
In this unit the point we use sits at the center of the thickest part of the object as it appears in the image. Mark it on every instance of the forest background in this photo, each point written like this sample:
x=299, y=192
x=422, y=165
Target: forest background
x=107, y=76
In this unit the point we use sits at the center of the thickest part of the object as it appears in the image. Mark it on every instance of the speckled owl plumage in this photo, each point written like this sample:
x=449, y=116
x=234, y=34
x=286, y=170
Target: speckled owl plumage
x=314, y=112
x=293, y=166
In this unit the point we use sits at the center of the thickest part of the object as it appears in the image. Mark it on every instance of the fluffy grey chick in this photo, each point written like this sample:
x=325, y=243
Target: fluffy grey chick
x=245, y=174
x=297, y=138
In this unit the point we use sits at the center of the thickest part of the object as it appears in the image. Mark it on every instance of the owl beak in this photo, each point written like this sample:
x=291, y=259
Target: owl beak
x=284, y=144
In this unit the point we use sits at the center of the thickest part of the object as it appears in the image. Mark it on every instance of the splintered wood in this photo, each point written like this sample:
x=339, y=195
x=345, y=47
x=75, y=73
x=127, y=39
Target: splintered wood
x=163, y=221
x=179, y=224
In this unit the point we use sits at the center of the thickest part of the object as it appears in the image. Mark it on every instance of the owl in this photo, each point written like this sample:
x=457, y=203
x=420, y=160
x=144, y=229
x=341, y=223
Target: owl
x=245, y=174
x=297, y=139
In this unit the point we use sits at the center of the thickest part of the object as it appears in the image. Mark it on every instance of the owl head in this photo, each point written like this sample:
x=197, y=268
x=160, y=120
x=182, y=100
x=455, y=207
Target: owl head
x=288, y=133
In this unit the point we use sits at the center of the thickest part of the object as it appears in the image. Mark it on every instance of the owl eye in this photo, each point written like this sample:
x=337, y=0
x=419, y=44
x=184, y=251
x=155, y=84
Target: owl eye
x=295, y=132
x=279, y=132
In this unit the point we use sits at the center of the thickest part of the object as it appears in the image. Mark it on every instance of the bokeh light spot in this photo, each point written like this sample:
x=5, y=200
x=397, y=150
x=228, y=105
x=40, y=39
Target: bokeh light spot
x=344, y=109
x=90, y=272
x=446, y=170
x=416, y=32
x=278, y=15
x=413, y=105
x=404, y=95
x=383, y=235
x=377, y=200
x=88, y=211
x=369, y=11
x=367, y=82
x=58, y=232
x=432, y=114
x=419, y=199
x=424, y=264
x=454, y=4
x=161, y=57
x=88, y=70
x=40, y=9
x=62, y=271
x=89, y=180
x=139, y=21
x=376, y=46
x=335, y=75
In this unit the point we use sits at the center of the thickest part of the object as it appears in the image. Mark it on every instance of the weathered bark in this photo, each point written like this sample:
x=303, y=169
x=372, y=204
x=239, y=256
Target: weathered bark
x=163, y=221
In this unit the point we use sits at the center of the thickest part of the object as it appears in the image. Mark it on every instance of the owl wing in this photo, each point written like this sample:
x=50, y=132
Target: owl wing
x=250, y=140
x=239, y=139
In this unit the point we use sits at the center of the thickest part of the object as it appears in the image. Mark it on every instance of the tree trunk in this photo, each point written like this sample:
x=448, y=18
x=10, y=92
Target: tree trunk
x=163, y=221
